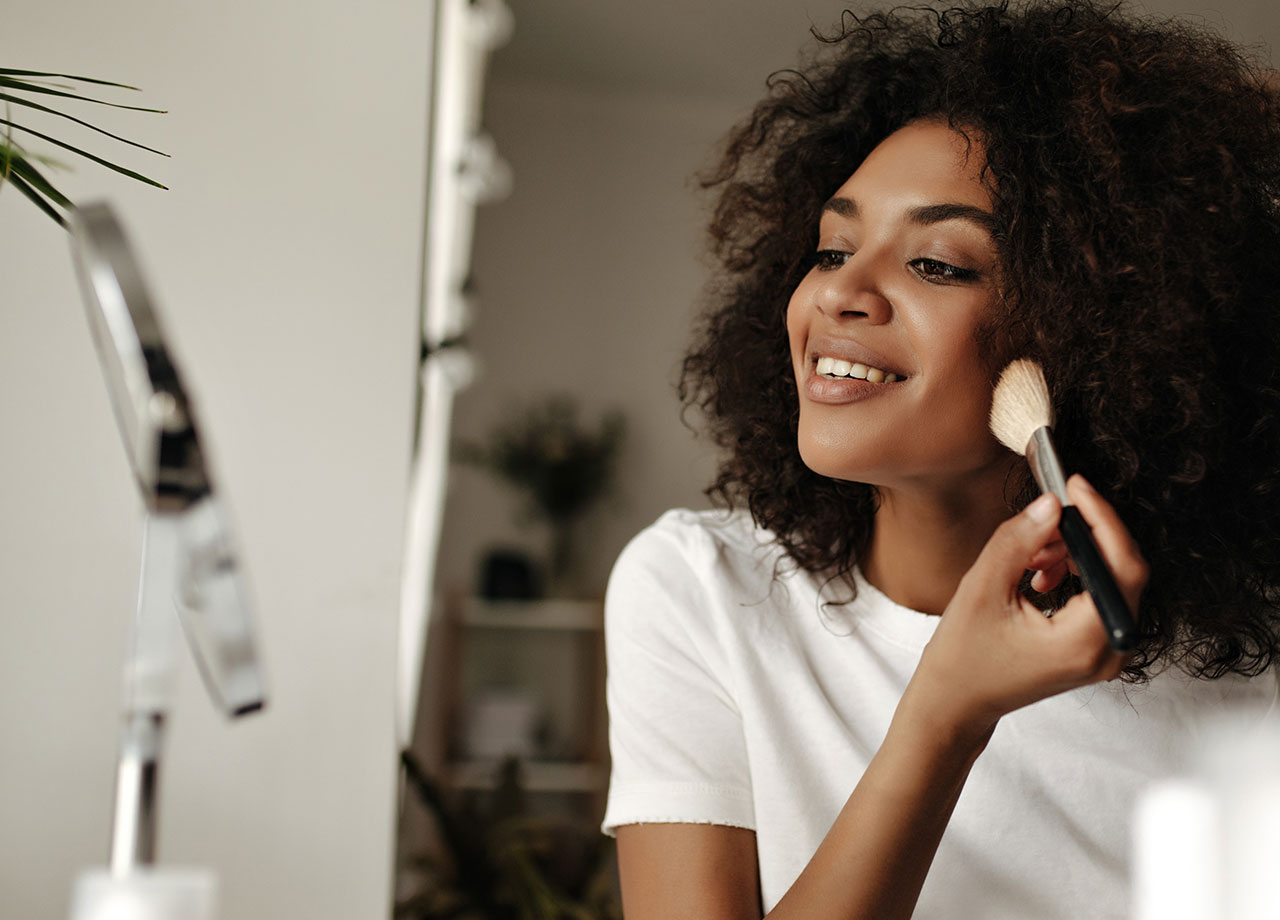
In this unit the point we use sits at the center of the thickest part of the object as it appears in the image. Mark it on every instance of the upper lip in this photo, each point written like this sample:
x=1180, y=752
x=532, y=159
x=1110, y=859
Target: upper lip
x=825, y=346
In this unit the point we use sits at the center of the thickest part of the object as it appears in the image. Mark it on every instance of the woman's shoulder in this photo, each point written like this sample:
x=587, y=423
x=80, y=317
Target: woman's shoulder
x=706, y=543
x=704, y=561
x=1203, y=701
x=1173, y=712
x=723, y=527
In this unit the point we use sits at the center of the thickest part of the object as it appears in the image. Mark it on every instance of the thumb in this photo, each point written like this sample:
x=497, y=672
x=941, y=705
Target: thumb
x=1008, y=553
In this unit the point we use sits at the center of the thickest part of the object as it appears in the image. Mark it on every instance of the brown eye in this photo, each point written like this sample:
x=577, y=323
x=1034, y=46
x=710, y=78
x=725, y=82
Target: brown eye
x=826, y=260
x=933, y=270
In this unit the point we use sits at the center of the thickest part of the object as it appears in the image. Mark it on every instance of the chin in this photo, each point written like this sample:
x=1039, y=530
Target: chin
x=834, y=462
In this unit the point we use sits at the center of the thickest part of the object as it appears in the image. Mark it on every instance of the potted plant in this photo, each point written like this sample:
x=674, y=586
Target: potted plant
x=561, y=467
x=497, y=862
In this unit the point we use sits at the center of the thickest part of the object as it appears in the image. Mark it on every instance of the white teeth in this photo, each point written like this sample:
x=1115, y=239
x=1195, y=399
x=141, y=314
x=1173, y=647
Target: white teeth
x=836, y=367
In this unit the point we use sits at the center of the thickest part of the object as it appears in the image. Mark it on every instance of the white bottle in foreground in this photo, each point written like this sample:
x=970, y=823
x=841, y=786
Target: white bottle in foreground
x=145, y=894
x=1207, y=846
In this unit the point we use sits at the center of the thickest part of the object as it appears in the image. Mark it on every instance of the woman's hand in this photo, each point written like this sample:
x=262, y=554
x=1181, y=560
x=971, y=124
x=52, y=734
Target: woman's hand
x=994, y=651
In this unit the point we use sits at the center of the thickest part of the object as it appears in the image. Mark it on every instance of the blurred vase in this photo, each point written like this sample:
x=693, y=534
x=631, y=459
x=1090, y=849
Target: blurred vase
x=564, y=567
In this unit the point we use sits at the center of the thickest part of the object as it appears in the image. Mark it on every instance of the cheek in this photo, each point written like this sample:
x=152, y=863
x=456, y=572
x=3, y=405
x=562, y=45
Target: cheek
x=961, y=408
x=957, y=401
x=961, y=420
x=796, y=328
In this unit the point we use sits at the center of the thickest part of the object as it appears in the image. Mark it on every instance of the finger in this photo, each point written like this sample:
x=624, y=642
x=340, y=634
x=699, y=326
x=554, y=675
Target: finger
x=1051, y=555
x=1048, y=556
x=1082, y=643
x=1006, y=555
x=1114, y=541
x=1048, y=578
x=1101, y=517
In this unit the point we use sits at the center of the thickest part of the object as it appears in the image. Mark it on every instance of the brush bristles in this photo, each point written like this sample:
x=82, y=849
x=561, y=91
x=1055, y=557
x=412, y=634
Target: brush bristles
x=1020, y=405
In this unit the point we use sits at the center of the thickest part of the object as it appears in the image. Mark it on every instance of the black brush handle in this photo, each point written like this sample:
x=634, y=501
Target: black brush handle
x=1098, y=580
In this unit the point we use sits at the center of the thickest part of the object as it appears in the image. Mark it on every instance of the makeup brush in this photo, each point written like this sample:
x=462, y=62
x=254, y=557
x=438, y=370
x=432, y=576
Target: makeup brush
x=1021, y=417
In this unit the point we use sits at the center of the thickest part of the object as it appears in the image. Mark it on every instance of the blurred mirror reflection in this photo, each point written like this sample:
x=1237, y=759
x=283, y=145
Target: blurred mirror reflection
x=569, y=439
x=586, y=279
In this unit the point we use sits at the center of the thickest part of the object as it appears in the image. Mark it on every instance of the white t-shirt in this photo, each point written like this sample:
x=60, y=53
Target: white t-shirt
x=738, y=698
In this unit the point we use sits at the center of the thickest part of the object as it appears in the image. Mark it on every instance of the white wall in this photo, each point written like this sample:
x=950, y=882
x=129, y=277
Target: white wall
x=587, y=280
x=285, y=262
x=1254, y=23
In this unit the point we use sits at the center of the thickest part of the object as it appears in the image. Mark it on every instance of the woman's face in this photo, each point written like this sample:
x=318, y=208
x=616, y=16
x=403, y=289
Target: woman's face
x=905, y=273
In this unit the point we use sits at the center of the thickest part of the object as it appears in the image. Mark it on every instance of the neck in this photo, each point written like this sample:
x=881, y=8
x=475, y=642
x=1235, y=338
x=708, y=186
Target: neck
x=925, y=540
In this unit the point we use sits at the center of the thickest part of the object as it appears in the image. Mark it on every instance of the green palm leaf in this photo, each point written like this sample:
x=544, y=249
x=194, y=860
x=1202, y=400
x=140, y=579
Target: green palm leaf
x=18, y=183
x=21, y=168
x=62, y=76
x=18, y=100
x=84, y=153
x=16, y=164
x=30, y=87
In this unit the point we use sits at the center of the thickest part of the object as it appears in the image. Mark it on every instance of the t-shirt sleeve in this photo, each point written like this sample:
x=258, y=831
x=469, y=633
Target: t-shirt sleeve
x=675, y=731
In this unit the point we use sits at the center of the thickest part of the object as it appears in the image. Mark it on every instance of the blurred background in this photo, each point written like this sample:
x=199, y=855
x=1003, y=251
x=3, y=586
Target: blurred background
x=286, y=262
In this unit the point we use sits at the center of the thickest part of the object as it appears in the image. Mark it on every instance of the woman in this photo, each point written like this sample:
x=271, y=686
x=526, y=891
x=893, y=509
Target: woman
x=841, y=698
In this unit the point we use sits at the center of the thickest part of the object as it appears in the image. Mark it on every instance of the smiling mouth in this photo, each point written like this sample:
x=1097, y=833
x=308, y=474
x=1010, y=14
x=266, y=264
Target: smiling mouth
x=839, y=369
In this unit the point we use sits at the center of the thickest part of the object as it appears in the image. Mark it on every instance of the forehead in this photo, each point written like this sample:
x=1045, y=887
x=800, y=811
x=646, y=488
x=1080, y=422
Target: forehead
x=920, y=164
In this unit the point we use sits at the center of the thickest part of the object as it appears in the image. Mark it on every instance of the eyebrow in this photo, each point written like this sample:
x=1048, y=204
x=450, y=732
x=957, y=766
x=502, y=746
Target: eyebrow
x=925, y=214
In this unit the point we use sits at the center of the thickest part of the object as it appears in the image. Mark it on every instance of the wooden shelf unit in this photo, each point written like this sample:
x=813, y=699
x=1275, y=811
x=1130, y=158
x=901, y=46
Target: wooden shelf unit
x=535, y=776
x=553, y=614
x=522, y=628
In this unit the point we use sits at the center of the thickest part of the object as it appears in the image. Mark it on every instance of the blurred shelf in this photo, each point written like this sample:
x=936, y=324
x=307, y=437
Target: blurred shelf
x=535, y=775
x=549, y=614
x=549, y=651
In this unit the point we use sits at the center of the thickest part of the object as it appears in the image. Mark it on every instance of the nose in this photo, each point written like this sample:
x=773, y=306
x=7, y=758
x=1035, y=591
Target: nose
x=852, y=291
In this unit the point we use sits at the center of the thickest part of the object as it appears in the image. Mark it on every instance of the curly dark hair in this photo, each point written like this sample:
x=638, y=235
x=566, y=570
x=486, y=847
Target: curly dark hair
x=1135, y=168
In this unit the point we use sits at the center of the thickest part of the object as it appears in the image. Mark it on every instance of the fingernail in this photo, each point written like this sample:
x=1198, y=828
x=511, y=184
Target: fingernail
x=1088, y=486
x=1042, y=509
